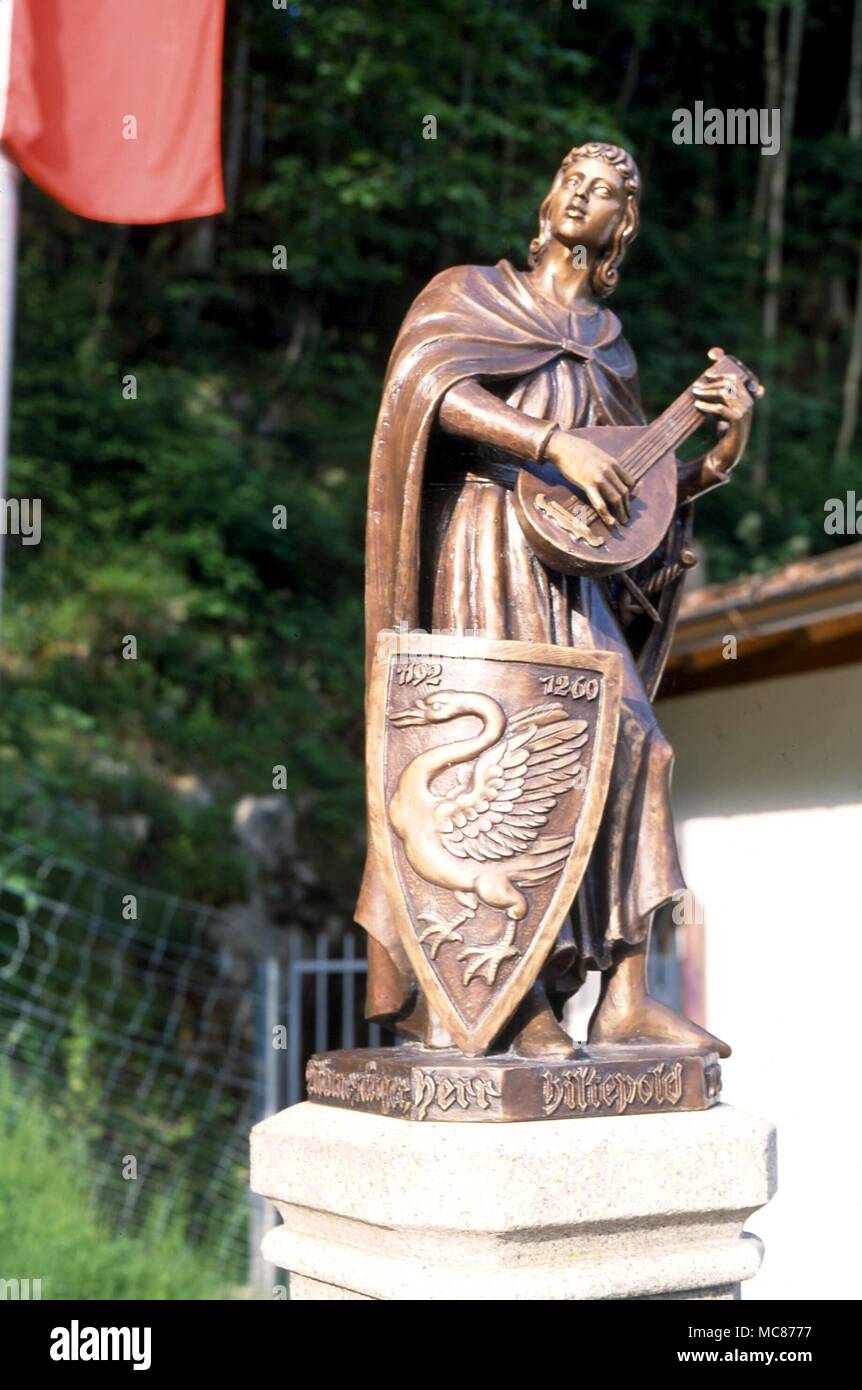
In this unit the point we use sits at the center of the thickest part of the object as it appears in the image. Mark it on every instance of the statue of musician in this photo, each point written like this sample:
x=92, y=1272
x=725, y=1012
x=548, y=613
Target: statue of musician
x=492, y=367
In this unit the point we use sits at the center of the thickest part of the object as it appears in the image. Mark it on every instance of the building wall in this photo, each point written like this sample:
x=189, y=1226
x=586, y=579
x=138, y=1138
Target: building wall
x=768, y=797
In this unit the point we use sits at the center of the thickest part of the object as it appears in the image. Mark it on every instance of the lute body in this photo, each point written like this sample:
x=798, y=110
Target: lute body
x=568, y=534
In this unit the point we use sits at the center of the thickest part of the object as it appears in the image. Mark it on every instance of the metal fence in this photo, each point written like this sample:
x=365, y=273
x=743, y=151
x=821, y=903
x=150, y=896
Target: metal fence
x=131, y=1013
x=138, y=1016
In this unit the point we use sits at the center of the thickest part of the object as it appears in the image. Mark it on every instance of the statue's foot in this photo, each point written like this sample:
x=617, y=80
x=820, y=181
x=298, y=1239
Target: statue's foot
x=648, y=1021
x=543, y=1036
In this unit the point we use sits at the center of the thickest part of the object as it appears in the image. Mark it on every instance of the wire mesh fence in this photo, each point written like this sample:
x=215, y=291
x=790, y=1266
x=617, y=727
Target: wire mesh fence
x=131, y=1012
x=154, y=1029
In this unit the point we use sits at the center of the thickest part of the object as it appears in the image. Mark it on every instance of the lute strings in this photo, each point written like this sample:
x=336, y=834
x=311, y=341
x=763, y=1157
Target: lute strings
x=671, y=429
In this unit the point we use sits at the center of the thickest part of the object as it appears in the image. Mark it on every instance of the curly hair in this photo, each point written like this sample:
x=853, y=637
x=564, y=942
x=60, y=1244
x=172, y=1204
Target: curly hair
x=605, y=273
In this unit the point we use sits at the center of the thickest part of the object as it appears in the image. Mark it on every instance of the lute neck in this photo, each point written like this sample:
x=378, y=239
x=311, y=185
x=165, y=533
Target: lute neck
x=671, y=429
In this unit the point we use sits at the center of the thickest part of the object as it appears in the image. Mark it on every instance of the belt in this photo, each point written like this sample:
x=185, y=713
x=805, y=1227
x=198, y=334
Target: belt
x=486, y=471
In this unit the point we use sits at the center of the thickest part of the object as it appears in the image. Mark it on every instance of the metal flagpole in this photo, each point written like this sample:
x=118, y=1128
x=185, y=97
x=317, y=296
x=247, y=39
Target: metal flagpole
x=9, y=181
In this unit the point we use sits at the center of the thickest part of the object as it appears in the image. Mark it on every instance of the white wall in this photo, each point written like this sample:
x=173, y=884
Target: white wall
x=768, y=797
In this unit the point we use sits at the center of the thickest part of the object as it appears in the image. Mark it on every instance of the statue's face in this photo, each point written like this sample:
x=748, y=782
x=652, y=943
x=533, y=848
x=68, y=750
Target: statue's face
x=585, y=210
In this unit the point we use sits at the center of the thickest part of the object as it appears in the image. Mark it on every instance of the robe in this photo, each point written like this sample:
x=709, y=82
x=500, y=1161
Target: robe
x=444, y=550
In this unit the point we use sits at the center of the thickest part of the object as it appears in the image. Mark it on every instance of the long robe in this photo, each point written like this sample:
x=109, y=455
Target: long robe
x=444, y=550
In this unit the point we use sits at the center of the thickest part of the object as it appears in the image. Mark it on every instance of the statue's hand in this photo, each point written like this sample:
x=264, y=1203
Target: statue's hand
x=584, y=465
x=726, y=397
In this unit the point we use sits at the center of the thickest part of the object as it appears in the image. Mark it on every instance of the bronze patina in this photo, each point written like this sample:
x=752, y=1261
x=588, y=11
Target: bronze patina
x=410, y=1085
x=528, y=534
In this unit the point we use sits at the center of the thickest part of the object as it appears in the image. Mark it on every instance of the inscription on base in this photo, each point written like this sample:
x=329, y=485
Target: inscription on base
x=413, y=1084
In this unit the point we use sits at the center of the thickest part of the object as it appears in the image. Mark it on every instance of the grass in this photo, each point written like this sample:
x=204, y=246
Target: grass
x=51, y=1230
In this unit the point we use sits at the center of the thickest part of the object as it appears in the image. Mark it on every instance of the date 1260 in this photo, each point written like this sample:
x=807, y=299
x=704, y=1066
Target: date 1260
x=579, y=687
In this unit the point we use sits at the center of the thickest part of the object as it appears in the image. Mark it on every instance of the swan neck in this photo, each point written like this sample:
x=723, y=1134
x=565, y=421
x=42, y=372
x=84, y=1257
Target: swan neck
x=493, y=724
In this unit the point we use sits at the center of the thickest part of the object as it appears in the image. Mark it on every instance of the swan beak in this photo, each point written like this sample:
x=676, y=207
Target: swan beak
x=414, y=714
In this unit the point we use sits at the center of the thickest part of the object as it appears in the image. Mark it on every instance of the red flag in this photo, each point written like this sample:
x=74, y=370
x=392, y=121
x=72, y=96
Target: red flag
x=113, y=106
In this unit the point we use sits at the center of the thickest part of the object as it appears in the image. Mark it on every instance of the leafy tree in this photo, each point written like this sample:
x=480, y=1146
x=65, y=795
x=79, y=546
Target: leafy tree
x=257, y=343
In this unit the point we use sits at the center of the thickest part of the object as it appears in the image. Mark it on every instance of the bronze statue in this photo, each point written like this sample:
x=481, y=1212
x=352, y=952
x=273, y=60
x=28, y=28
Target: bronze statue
x=523, y=514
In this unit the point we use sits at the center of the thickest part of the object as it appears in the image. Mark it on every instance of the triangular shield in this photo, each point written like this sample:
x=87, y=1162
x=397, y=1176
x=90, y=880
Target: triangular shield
x=488, y=769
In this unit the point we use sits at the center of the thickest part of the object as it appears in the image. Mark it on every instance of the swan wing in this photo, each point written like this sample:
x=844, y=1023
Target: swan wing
x=515, y=786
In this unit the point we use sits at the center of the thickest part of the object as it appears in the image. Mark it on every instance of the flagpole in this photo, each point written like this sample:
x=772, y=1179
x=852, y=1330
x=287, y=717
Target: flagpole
x=9, y=182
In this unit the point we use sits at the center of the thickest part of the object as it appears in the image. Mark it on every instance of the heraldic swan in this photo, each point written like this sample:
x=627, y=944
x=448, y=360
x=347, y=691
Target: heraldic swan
x=481, y=839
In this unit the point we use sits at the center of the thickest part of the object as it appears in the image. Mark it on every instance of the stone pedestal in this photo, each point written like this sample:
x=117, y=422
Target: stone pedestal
x=633, y=1207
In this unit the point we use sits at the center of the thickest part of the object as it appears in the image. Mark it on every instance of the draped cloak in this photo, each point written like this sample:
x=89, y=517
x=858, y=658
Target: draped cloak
x=486, y=323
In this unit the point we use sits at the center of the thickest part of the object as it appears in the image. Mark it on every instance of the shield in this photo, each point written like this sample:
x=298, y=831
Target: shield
x=488, y=768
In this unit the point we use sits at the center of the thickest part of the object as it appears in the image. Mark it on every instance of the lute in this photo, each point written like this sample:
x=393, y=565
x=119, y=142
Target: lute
x=569, y=535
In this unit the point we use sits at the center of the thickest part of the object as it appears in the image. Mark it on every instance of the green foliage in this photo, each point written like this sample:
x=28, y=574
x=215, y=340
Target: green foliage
x=80, y=1103
x=50, y=1230
x=257, y=387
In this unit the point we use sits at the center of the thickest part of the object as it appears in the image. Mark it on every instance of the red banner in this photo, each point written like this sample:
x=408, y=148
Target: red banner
x=113, y=106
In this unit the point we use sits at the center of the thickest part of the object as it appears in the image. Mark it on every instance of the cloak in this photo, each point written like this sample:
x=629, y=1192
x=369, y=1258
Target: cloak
x=483, y=323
